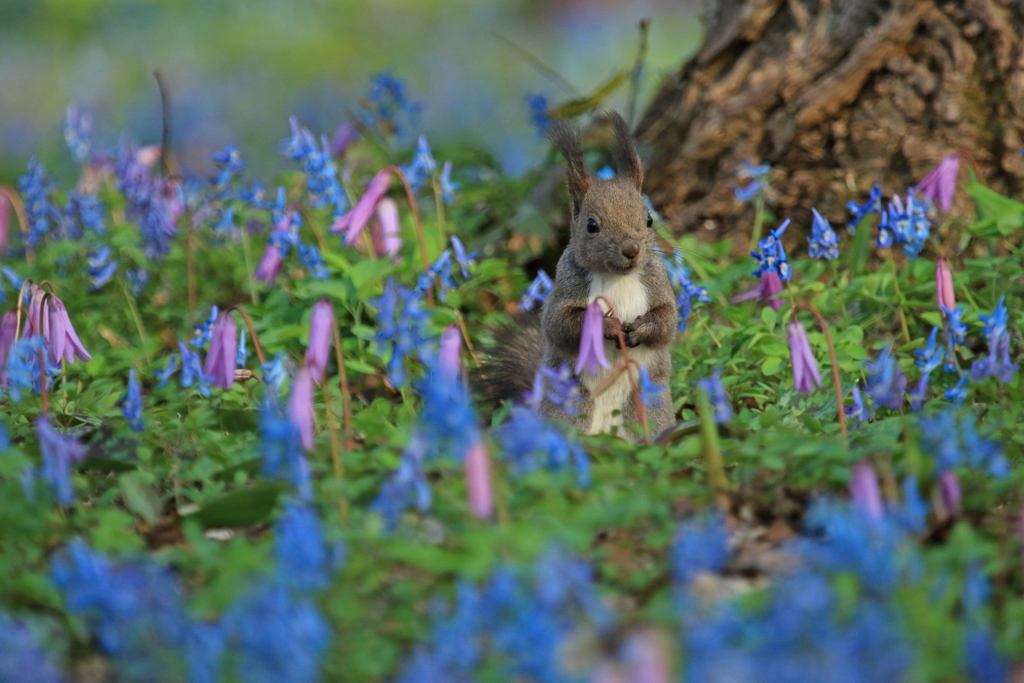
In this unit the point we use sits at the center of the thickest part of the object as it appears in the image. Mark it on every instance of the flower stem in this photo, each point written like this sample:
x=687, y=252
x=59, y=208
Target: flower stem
x=339, y=467
x=713, y=453
x=759, y=215
x=838, y=290
x=19, y=210
x=641, y=411
x=252, y=332
x=346, y=402
x=835, y=364
x=190, y=269
x=439, y=203
x=247, y=253
x=899, y=297
x=143, y=337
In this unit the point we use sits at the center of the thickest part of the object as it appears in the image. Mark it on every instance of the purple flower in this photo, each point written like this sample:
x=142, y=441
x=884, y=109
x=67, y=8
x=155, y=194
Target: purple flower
x=448, y=359
x=353, y=222
x=387, y=238
x=270, y=264
x=478, y=481
x=447, y=186
x=949, y=487
x=864, y=491
x=592, y=341
x=220, y=360
x=60, y=334
x=805, y=368
x=944, y=285
x=8, y=327
x=886, y=382
x=344, y=136
x=300, y=406
x=939, y=185
x=321, y=328
x=58, y=454
x=770, y=285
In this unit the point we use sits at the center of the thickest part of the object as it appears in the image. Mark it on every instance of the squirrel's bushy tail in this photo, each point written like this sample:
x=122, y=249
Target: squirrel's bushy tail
x=506, y=372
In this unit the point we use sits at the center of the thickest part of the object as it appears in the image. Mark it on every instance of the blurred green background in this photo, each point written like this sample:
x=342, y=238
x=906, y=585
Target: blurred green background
x=238, y=68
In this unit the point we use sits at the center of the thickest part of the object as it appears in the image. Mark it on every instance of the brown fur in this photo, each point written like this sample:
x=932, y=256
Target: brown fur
x=620, y=214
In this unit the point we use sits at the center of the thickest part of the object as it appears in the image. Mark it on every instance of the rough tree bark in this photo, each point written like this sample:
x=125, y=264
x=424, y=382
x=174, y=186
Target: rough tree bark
x=836, y=96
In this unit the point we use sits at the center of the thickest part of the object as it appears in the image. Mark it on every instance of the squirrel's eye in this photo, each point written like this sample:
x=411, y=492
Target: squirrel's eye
x=650, y=221
x=592, y=226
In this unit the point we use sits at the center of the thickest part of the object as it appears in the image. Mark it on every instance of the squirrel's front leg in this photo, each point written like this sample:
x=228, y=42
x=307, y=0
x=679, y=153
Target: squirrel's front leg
x=655, y=328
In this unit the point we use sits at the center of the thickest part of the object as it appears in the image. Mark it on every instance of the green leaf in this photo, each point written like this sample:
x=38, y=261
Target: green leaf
x=140, y=497
x=769, y=317
x=771, y=365
x=240, y=508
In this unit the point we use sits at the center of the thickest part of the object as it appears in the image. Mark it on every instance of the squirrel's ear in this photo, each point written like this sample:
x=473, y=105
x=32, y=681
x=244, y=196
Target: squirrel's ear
x=626, y=157
x=566, y=140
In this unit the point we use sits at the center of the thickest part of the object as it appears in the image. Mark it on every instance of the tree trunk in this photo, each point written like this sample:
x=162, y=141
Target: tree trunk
x=836, y=96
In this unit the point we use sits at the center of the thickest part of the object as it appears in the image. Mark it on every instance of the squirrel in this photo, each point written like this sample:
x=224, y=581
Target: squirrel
x=612, y=253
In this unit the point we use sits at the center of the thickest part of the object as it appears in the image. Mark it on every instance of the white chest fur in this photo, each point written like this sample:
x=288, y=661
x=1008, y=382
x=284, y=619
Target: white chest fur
x=628, y=296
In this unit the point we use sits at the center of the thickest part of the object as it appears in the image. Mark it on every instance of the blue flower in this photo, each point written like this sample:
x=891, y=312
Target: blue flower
x=859, y=211
x=101, y=269
x=984, y=662
x=702, y=545
x=279, y=638
x=745, y=194
x=858, y=411
x=165, y=375
x=606, y=173
x=58, y=454
x=281, y=450
x=558, y=386
x=931, y=358
x=406, y=487
x=529, y=442
x=401, y=327
x=192, y=370
x=956, y=329
x=760, y=176
x=229, y=164
x=461, y=257
x=823, y=240
x=152, y=203
x=226, y=225
x=81, y=212
x=771, y=256
x=886, y=382
x=42, y=215
x=310, y=258
x=302, y=561
x=678, y=274
x=904, y=223
x=322, y=184
x=242, y=354
x=958, y=394
x=440, y=273
x=22, y=659
x=77, y=129
x=131, y=404
x=538, y=105
x=712, y=386
x=422, y=166
x=998, y=361
x=23, y=366
x=204, y=646
x=137, y=278
x=203, y=332
x=537, y=292
x=650, y=393
x=447, y=421
x=275, y=373
x=135, y=610
x=390, y=102
x=447, y=186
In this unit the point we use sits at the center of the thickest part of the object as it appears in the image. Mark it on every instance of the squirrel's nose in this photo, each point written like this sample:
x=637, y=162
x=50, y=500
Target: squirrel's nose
x=630, y=248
